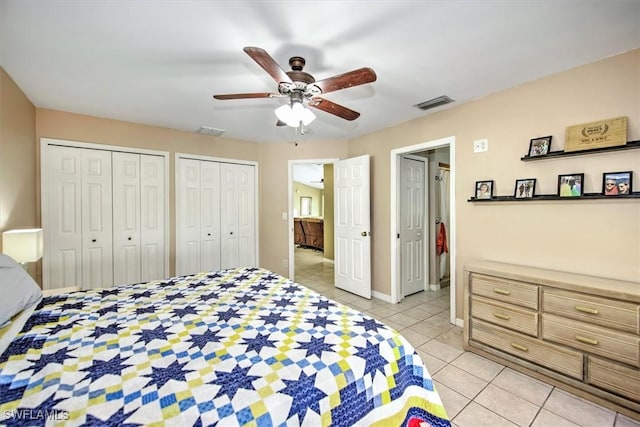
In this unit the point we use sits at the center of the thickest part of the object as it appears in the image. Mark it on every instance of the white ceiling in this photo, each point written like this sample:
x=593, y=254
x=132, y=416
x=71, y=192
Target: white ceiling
x=310, y=174
x=160, y=62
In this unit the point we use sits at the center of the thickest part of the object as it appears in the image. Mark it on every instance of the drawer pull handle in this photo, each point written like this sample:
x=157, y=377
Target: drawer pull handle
x=501, y=291
x=519, y=347
x=501, y=316
x=586, y=340
x=586, y=310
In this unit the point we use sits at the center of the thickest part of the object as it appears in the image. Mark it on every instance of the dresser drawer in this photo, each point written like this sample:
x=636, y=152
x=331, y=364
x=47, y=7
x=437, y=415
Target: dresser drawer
x=621, y=315
x=559, y=359
x=619, y=379
x=591, y=338
x=504, y=314
x=511, y=291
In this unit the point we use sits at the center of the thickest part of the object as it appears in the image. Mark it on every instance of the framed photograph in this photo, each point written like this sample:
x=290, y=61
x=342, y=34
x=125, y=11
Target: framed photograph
x=540, y=146
x=616, y=183
x=525, y=188
x=484, y=189
x=570, y=185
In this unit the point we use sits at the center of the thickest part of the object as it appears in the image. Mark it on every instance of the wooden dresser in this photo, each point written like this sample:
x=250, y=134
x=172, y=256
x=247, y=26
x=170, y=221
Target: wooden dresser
x=580, y=333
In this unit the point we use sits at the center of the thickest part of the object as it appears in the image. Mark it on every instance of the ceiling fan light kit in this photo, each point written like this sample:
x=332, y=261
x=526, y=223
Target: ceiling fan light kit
x=300, y=86
x=295, y=113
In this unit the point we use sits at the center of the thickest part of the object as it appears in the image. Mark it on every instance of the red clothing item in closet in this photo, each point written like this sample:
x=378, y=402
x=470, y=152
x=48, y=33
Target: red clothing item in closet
x=441, y=241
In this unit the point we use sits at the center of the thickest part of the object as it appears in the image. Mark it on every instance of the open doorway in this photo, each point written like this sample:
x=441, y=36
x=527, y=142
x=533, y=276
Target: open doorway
x=310, y=213
x=439, y=265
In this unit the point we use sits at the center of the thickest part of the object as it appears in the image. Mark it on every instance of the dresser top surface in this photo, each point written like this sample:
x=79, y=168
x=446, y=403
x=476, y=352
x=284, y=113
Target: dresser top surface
x=613, y=288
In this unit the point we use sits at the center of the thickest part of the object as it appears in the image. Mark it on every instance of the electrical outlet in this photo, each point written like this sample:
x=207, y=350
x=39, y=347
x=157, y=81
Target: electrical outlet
x=480, y=145
x=285, y=263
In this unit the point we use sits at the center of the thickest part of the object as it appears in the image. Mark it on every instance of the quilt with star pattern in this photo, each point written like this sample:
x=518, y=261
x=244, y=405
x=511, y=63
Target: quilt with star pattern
x=232, y=347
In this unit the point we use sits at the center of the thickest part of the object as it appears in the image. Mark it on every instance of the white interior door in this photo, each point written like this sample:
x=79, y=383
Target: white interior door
x=126, y=218
x=229, y=216
x=209, y=216
x=63, y=263
x=188, y=218
x=413, y=254
x=352, y=224
x=246, y=216
x=97, y=222
x=152, y=217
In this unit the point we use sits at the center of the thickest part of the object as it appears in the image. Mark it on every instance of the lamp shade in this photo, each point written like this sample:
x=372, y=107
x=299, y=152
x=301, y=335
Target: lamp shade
x=23, y=245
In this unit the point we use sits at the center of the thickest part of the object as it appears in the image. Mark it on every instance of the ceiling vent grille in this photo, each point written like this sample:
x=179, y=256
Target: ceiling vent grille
x=435, y=102
x=206, y=130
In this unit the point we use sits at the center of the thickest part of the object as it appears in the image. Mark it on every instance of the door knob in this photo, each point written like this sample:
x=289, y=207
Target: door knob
x=93, y=240
x=128, y=238
x=364, y=234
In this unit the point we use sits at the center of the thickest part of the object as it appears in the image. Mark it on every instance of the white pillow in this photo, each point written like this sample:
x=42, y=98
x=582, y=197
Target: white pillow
x=17, y=289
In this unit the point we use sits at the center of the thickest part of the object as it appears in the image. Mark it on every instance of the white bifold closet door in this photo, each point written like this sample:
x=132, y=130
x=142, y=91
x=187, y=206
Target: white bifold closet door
x=215, y=215
x=80, y=222
x=237, y=219
x=105, y=217
x=198, y=216
x=138, y=218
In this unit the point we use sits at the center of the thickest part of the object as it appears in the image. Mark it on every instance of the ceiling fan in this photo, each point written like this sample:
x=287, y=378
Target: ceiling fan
x=301, y=87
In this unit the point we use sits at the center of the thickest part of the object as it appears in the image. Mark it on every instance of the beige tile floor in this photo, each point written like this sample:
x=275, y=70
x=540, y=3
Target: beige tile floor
x=476, y=392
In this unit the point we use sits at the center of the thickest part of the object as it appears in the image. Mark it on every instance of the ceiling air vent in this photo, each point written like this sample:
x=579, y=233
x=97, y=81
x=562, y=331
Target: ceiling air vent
x=206, y=130
x=435, y=102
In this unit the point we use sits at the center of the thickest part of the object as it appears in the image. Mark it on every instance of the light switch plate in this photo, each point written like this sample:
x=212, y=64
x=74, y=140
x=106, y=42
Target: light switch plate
x=480, y=145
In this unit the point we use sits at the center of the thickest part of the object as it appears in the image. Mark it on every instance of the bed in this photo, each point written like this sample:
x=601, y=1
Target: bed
x=232, y=347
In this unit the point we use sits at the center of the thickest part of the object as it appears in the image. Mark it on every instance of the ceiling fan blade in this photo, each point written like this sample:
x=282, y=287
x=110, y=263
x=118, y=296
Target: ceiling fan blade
x=246, y=95
x=333, y=108
x=268, y=64
x=280, y=123
x=342, y=81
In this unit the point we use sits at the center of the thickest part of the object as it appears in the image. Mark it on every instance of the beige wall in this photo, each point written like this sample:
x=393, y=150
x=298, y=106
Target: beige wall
x=302, y=190
x=595, y=237
x=274, y=163
x=328, y=211
x=17, y=159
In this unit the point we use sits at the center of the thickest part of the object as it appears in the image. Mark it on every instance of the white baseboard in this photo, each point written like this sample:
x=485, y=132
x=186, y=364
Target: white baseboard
x=460, y=323
x=328, y=261
x=383, y=297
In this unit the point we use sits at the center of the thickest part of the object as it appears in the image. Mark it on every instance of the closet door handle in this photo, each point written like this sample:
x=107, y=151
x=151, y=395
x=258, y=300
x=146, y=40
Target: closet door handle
x=128, y=238
x=209, y=234
x=93, y=240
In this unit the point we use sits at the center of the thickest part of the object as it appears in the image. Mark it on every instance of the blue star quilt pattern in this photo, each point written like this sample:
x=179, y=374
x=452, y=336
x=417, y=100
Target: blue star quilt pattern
x=236, y=347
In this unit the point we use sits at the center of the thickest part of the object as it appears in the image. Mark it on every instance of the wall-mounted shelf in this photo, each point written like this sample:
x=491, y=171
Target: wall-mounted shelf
x=586, y=196
x=556, y=154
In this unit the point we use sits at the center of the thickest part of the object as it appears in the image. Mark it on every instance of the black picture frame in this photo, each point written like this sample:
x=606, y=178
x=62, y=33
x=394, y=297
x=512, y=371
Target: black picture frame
x=622, y=183
x=525, y=188
x=540, y=146
x=484, y=193
x=571, y=185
